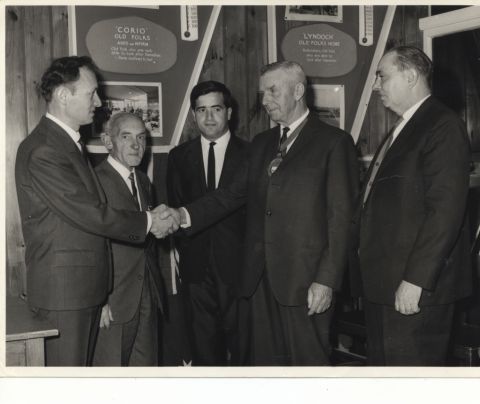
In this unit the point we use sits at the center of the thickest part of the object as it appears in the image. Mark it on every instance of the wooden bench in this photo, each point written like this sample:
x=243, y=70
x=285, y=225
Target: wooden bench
x=25, y=339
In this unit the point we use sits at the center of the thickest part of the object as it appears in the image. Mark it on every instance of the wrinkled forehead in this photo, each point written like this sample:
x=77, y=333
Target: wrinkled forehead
x=129, y=124
x=388, y=62
x=277, y=78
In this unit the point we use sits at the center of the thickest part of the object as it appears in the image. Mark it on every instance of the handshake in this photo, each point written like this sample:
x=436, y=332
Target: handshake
x=165, y=221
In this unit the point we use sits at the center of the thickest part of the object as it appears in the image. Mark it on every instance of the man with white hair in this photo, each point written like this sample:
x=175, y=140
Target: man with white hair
x=128, y=333
x=299, y=184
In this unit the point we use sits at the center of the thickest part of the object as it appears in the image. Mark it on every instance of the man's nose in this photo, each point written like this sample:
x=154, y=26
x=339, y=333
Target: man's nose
x=96, y=100
x=376, y=84
x=135, y=144
x=264, y=98
x=209, y=113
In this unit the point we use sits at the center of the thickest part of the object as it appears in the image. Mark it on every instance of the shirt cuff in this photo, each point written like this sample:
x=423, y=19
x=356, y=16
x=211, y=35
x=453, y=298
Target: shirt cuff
x=185, y=221
x=149, y=221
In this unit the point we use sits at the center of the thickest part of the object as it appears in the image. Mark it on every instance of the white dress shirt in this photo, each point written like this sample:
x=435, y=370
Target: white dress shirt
x=72, y=133
x=220, y=148
x=294, y=125
x=406, y=117
x=125, y=173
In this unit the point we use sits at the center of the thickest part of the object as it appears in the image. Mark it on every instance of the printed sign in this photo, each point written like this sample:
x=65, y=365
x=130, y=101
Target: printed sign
x=321, y=49
x=131, y=45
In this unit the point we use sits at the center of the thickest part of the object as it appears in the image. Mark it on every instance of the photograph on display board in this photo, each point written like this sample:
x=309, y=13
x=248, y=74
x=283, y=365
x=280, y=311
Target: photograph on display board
x=328, y=103
x=142, y=99
x=314, y=13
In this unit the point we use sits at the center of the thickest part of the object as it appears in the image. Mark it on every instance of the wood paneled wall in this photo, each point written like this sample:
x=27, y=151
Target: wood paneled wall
x=36, y=35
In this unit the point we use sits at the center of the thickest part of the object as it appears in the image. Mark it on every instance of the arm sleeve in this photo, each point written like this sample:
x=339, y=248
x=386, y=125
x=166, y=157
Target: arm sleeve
x=341, y=191
x=63, y=189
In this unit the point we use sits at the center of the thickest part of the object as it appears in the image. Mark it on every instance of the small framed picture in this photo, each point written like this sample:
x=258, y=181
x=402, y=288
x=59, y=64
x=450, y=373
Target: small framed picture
x=139, y=98
x=314, y=13
x=328, y=103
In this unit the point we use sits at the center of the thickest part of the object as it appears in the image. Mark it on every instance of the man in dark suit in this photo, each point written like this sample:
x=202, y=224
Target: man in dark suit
x=65, y=218
x=299, y=183
x=128, y=333
x=412, y=237
x=210, y=260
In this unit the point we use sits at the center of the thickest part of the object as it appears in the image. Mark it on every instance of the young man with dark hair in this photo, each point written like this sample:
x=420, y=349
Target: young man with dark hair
x=210, y=261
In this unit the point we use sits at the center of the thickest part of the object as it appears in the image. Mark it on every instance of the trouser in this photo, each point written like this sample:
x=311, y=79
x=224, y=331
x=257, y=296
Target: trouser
x=395, y=339
x=78, y=331
x=283, y=335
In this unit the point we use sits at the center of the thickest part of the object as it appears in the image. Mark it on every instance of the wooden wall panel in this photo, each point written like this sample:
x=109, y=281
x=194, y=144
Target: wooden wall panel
x=235, y=33
x=38, y=37
x=257, y=56
x=59, y=31
x=16, y=131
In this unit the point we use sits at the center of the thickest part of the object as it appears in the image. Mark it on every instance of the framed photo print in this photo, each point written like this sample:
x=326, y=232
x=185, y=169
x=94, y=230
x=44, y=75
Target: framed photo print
x=328, y=103
x=140, y=98
x=314, y=13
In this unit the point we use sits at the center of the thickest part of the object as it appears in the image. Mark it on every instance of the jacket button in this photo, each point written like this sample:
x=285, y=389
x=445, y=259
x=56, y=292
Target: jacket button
x=268, y=213
x=139, y=277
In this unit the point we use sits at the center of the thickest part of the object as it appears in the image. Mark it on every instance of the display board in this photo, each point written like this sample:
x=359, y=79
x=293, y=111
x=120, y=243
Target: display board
x=149, y=58
x=336, y=46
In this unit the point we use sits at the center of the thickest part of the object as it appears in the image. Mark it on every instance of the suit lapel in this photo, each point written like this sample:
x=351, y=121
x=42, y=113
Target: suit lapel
x=61, y=140
x=195, y=159
x=302, y=141
x=120, y=184
x=229, y=162
x=144, y=191
x=410, y=129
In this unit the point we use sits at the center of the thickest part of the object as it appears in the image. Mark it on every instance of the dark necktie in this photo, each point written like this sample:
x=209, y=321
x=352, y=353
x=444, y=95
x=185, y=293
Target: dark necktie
x=211, y=168
x=283, y=139
x=131, y=177
x=380, y=156
x=281, y=152
x=83, y=150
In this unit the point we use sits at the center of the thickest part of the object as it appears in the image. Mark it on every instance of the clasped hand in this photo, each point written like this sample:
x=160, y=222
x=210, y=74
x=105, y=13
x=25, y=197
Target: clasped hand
x=165, y=221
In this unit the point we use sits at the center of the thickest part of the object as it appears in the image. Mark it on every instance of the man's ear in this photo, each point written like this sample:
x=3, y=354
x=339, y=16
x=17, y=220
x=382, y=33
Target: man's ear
x=107, y=141
x=412, y=77
x=61, y=94
x=229, y=113
x=193, y=115
x=299, y=91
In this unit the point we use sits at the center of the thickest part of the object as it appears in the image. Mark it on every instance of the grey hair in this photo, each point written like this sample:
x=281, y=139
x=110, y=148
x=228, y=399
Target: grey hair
x=288, y=66
x=113, y=125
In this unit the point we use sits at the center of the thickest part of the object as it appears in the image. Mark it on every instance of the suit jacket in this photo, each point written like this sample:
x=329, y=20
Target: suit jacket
x=220, y=245
x=133, y=264
x=297, y=219
x=413, y=226
x=66, y=222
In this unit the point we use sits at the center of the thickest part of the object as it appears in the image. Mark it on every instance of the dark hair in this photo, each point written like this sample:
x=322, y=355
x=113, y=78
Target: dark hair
x=62, y=71
x=410, y=57
x=207, y=87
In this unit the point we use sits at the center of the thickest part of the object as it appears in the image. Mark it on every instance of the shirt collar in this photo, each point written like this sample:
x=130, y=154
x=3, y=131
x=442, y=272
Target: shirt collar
x=72, y=133
x=410, y=111
x=295, y=124
x=222, y=141
x=120, y=168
